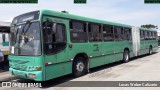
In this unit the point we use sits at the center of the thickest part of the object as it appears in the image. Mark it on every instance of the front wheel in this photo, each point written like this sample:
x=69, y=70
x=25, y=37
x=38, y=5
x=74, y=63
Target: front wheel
x=126, y=56
x=79, y=67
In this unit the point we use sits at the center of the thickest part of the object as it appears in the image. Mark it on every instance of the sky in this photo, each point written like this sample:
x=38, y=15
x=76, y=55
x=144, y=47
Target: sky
x=131, y=12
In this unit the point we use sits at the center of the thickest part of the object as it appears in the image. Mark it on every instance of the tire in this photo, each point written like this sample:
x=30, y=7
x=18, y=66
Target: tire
x=150, y=50
x=79, y=67
x=126, y=56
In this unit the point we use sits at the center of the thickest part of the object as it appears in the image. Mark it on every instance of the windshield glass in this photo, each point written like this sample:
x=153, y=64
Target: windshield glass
x=25, y=39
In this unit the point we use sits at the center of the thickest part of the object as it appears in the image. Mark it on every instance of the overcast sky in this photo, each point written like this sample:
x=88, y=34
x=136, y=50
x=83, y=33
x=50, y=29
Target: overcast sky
x=132, y=12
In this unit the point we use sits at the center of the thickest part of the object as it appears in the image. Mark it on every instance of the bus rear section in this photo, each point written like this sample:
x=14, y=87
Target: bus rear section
x=145, y=41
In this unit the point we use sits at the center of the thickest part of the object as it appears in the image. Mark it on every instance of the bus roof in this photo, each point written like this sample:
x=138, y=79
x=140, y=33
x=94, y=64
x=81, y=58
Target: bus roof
x=81, y=18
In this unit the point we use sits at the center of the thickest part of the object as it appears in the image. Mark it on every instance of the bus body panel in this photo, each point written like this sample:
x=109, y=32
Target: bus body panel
x=23, y=66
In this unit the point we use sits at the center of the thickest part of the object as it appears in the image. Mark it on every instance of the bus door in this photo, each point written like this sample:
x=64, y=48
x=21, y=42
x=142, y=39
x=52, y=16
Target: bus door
x=55, y=46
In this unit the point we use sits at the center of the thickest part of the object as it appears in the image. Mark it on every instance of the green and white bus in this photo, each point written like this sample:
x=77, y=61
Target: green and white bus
x=47, y=44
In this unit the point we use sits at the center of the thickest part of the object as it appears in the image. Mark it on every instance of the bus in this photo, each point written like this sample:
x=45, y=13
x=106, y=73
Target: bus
x=46, y=44
x=4, y=44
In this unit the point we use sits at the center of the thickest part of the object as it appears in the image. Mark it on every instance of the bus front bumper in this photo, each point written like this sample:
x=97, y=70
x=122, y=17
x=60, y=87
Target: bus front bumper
x=32, y=75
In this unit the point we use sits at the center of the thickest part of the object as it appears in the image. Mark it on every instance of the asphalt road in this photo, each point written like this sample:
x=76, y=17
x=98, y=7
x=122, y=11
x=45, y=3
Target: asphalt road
x=143, y=68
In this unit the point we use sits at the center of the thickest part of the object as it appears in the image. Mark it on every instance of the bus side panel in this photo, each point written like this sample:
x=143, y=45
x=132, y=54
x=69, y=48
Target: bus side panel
x=119, y=47
x=96, y=58
x=108, y=51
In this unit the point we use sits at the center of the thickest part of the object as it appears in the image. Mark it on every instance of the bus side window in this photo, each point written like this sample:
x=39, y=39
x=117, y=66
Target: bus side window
x=152, y=35
x=54, y=38
x=95, y=33
x=155, y=35
x=127, y=34
x=118, y=32
x=148, y=35
x=141, y=35
x=108, y=33
x=145, y=35
x=60, y=33
x=78, y=32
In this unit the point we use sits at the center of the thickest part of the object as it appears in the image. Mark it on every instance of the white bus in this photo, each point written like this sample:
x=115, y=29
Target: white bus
x=4, y=42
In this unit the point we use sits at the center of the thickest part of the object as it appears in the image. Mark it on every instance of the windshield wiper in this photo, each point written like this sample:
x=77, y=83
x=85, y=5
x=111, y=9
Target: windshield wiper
x=24, y=32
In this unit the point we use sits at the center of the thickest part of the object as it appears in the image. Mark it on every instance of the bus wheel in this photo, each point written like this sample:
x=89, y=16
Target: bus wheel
x=150, y=50
x=126, y=56
x=79, y=67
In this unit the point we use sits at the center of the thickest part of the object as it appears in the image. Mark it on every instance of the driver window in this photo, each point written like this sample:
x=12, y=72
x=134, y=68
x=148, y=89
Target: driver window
x=54, y=38
x=60, y=35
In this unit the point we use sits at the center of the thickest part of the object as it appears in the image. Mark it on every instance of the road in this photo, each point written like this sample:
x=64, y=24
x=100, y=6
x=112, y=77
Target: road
x=143, y=68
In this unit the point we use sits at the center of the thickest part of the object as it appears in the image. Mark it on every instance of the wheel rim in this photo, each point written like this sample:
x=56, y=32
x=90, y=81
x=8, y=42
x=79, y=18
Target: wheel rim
x=126, y=56
x=150, y=51
x=80, y=66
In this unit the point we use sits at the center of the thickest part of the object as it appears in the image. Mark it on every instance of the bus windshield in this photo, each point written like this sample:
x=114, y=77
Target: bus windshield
x=25, y=39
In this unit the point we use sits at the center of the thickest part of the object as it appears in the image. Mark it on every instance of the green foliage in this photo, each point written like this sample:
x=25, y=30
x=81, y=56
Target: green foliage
x=149, y=26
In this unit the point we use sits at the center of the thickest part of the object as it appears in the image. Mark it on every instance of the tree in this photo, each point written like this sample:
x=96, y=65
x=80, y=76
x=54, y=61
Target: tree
x=149, y=26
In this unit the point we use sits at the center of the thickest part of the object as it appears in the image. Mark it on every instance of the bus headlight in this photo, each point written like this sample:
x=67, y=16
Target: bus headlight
x=38, y=68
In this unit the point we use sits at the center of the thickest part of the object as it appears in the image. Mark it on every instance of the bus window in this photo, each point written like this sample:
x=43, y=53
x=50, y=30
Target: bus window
x=108, y=33
x=155, y=35
x=127, y=34
x=142, y=34
x=146, y=36
x=150, y=35
x=55, y=38
x=118, y=32
x=95, y=32
x=78, y=32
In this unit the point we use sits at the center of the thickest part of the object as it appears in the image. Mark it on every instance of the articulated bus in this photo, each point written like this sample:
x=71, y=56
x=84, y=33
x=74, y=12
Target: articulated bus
x=47, y=44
